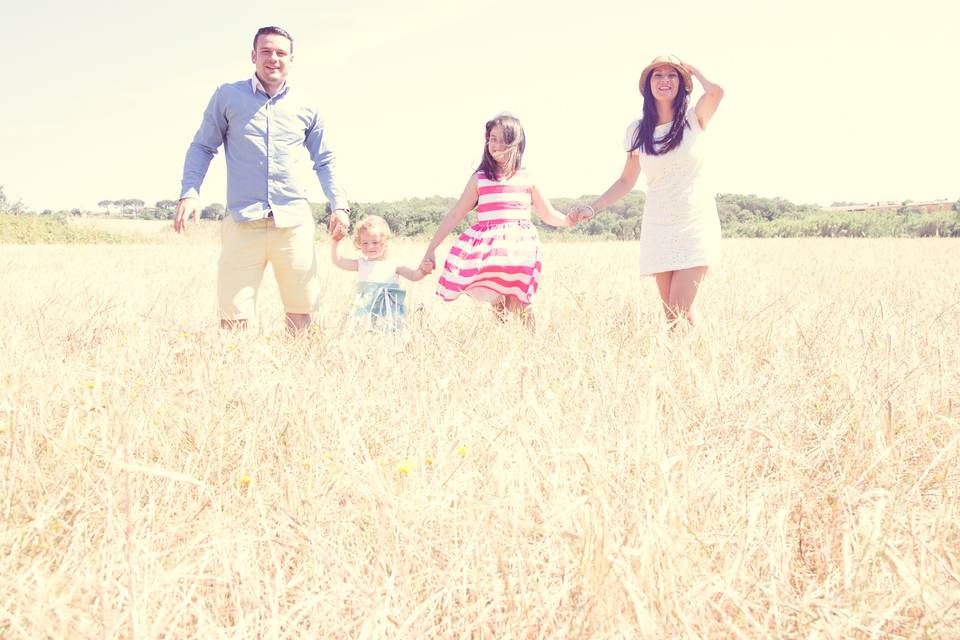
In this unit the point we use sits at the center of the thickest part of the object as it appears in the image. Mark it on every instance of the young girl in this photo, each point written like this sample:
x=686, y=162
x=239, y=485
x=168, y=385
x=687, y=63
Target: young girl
x=497, y=260
x=379, y=298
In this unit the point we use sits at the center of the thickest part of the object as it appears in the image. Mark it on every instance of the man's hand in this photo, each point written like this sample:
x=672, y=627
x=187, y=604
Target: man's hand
x=339, y=223
x=185, y=208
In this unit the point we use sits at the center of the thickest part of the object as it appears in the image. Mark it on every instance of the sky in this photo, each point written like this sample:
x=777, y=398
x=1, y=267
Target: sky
x=825, y=100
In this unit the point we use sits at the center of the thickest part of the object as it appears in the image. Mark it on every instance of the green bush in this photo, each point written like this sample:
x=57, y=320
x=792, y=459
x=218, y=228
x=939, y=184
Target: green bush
x=29, y=229
x=850, y=224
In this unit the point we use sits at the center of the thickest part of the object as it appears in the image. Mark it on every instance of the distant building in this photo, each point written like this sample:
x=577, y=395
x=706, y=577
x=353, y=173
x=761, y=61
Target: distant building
x=927, y=206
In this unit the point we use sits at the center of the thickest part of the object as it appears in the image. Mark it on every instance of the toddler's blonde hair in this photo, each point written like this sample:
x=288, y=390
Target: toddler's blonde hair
x=374, y=225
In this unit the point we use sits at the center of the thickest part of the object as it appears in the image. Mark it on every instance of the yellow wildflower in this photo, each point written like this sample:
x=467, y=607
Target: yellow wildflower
x=462, y=450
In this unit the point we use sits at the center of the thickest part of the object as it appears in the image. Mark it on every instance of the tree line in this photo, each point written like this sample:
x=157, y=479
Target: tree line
x=740, y=216
x=161, y=209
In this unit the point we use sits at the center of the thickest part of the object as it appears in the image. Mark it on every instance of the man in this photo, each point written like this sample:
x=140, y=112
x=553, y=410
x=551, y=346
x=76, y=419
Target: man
x=263, y=124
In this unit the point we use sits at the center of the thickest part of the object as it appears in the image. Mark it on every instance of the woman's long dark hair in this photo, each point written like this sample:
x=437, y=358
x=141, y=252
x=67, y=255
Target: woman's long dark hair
x=513, y=136
x=643, y=140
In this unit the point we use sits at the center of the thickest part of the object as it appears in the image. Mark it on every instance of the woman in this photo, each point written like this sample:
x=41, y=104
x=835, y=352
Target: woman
x=680, y=233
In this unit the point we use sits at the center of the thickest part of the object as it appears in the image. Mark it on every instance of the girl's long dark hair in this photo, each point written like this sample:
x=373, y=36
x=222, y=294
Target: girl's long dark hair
x=513, y=135
x=643, y=140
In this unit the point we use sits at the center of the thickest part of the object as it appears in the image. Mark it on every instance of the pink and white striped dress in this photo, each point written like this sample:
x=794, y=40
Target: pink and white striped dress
x=499, y=256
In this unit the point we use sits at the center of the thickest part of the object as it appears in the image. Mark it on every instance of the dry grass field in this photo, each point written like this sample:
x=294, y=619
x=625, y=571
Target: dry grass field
x=788, y=469
x=130, y=227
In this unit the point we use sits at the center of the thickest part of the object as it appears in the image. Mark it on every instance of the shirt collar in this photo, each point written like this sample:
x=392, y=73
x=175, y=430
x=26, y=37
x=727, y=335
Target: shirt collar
x=255, y=84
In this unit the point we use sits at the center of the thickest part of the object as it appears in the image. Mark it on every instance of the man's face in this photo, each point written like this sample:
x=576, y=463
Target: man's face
x=272, y=57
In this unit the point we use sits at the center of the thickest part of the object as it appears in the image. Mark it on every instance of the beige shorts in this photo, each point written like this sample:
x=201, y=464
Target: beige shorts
x=246, y=249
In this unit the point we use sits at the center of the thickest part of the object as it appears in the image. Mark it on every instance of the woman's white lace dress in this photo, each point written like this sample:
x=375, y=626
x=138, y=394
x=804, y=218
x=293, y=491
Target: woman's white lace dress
x=680, y=228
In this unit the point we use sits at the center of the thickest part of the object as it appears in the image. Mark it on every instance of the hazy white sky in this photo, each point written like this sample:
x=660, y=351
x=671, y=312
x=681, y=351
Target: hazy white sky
x=825, y=100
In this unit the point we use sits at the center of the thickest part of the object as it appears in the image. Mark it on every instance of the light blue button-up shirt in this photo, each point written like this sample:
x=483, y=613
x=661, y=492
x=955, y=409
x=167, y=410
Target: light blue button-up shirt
x=263, y=138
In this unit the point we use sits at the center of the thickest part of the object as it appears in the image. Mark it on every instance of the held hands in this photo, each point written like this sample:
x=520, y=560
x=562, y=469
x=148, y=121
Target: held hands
x=339, y=224
x=185, y=208
x=580, y=213
x=429, y=263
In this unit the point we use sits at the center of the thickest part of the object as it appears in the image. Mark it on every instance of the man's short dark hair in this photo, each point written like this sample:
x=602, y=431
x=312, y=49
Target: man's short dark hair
x=277, y=31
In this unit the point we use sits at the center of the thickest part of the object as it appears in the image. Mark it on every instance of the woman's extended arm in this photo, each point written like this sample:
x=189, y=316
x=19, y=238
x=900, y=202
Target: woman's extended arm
x=624, y=184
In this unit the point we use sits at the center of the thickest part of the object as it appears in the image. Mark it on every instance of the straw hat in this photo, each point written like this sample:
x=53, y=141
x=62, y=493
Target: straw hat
x=674, y=62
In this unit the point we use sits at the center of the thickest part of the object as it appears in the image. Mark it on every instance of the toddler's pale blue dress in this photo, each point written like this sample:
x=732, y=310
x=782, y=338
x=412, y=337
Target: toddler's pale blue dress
x=379, y=299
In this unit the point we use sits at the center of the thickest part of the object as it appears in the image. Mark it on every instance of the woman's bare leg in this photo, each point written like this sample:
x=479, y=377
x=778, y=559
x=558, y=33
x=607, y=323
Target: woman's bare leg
x=683, y=291
x=663, y=286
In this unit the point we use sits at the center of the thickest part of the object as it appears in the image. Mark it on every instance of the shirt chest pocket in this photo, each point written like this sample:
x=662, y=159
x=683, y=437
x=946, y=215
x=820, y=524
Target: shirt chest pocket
x=270, y=128
x=283, y=132
x=286, y=126
x=286, y=137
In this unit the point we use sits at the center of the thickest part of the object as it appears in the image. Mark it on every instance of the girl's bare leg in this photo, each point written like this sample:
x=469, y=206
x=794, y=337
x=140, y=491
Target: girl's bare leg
x=499, y=309
x=522, y=311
